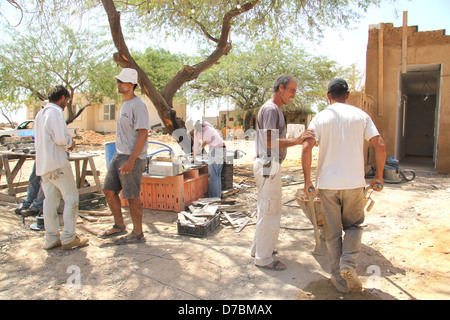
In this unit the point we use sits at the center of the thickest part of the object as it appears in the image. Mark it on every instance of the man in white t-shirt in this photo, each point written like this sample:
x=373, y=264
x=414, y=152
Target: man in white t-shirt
x=340, y=131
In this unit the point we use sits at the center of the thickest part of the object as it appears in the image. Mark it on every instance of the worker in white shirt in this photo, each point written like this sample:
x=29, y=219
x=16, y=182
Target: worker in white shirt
x=52, y=142
x=340, y=131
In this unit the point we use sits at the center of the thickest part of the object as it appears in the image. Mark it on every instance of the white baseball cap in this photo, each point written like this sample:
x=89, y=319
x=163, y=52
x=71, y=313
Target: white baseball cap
x=191, y=123
x=128, y=75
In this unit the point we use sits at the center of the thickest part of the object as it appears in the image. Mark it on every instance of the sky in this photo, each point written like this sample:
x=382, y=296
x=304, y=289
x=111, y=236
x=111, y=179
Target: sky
x=349, y=46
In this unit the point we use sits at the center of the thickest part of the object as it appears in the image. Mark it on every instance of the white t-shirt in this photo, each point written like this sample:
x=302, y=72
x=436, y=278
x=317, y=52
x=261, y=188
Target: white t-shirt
x=340, y=131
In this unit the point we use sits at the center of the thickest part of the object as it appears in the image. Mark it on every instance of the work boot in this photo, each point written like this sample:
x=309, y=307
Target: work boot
x=353, y=283
x=48, y=246
x=30, y=212
x=75, y=243
x=19, y=208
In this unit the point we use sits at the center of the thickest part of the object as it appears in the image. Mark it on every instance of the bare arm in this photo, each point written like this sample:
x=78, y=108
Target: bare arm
x=289, y=142
x=380, y=157
x=308, y=145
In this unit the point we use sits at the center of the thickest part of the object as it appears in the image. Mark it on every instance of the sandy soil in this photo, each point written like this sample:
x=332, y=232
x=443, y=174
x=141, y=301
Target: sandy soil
x=405, y=250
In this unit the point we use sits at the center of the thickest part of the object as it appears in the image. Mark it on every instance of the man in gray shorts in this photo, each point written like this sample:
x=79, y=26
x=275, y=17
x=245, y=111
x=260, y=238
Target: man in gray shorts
x=128, y=163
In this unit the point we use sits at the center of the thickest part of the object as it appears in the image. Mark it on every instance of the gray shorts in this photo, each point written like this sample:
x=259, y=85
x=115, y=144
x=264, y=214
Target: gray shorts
x=129, y=184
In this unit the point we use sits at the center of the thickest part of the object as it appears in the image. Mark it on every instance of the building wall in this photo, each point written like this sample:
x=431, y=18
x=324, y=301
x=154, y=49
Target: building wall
x=383, y=71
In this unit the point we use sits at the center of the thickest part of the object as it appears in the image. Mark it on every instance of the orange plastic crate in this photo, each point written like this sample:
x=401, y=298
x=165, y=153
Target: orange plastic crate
x=173, y=193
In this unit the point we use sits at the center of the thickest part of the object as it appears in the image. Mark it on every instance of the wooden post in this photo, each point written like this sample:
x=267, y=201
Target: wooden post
x=380, y=70
x=405, y=43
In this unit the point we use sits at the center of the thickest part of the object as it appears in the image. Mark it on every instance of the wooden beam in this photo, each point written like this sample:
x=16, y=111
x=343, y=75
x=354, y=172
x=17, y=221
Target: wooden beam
x=405, y=43
x=380, y=70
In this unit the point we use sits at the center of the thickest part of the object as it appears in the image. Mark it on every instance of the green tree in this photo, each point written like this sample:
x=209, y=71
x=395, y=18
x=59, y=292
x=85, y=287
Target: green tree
x=159, y=64
x=53, y=54
x=247, y=75
x=211, y=20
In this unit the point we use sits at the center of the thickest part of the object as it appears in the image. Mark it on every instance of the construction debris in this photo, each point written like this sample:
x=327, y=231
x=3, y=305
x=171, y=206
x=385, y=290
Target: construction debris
x=205, y=210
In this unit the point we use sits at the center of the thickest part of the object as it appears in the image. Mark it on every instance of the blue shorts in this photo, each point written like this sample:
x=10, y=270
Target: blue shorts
x=129, y=184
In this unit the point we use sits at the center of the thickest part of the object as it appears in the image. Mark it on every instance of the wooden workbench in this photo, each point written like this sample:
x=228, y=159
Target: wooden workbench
x=7, y=159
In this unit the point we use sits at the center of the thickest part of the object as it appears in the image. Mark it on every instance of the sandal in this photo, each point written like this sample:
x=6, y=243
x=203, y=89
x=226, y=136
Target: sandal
x=276, y=265
x=108, y=234
x=131, y=238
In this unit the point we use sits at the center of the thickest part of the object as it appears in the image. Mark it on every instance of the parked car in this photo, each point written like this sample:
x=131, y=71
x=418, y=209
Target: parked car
x=25, y=129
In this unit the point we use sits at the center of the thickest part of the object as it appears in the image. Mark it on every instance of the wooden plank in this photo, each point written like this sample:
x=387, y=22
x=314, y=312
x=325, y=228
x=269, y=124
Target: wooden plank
x=94, y=172
x=230, y=192
x=91, y=189
x=91, y=229
x=88, y=218
x=77, y=173
x=7, y=169
x=405, y=43
x=95, y=213
x=83, y=173
x=189, y=217
x=380, y=70
x=206, y=211
x=17, y=184
x=242, y=226
x=231, y=208
x=229, y=219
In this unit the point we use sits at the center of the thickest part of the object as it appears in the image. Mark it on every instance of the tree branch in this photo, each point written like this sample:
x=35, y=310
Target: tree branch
x=189, y=73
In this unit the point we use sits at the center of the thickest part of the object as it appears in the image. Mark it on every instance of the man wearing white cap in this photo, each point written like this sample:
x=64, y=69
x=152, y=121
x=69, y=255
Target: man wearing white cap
x=129, y=160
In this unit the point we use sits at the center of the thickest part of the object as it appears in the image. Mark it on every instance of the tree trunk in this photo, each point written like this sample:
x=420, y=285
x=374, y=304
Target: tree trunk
x=248, y=119
x=163, y=100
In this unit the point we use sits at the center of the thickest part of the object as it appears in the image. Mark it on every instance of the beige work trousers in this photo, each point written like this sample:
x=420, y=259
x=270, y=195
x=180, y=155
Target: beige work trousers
x=269, y=214
x=57, y=184
x=343, y=212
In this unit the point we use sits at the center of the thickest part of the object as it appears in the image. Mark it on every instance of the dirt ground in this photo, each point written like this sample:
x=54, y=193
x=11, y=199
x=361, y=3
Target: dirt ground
x=405, y=249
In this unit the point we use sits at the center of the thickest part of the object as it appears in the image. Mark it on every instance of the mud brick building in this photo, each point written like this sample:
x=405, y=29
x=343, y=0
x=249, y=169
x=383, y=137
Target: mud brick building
x=407, y=92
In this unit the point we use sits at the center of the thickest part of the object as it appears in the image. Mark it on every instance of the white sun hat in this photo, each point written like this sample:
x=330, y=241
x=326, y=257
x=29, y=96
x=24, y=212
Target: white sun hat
x=128, y=75
x=189, y=124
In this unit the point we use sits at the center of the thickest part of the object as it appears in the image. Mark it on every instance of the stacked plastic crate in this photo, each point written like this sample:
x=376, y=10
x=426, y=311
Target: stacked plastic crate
x=173, y=193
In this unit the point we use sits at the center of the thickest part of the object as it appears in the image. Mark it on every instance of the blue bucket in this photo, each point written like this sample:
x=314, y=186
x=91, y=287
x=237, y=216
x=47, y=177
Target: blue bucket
x=110, y=149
